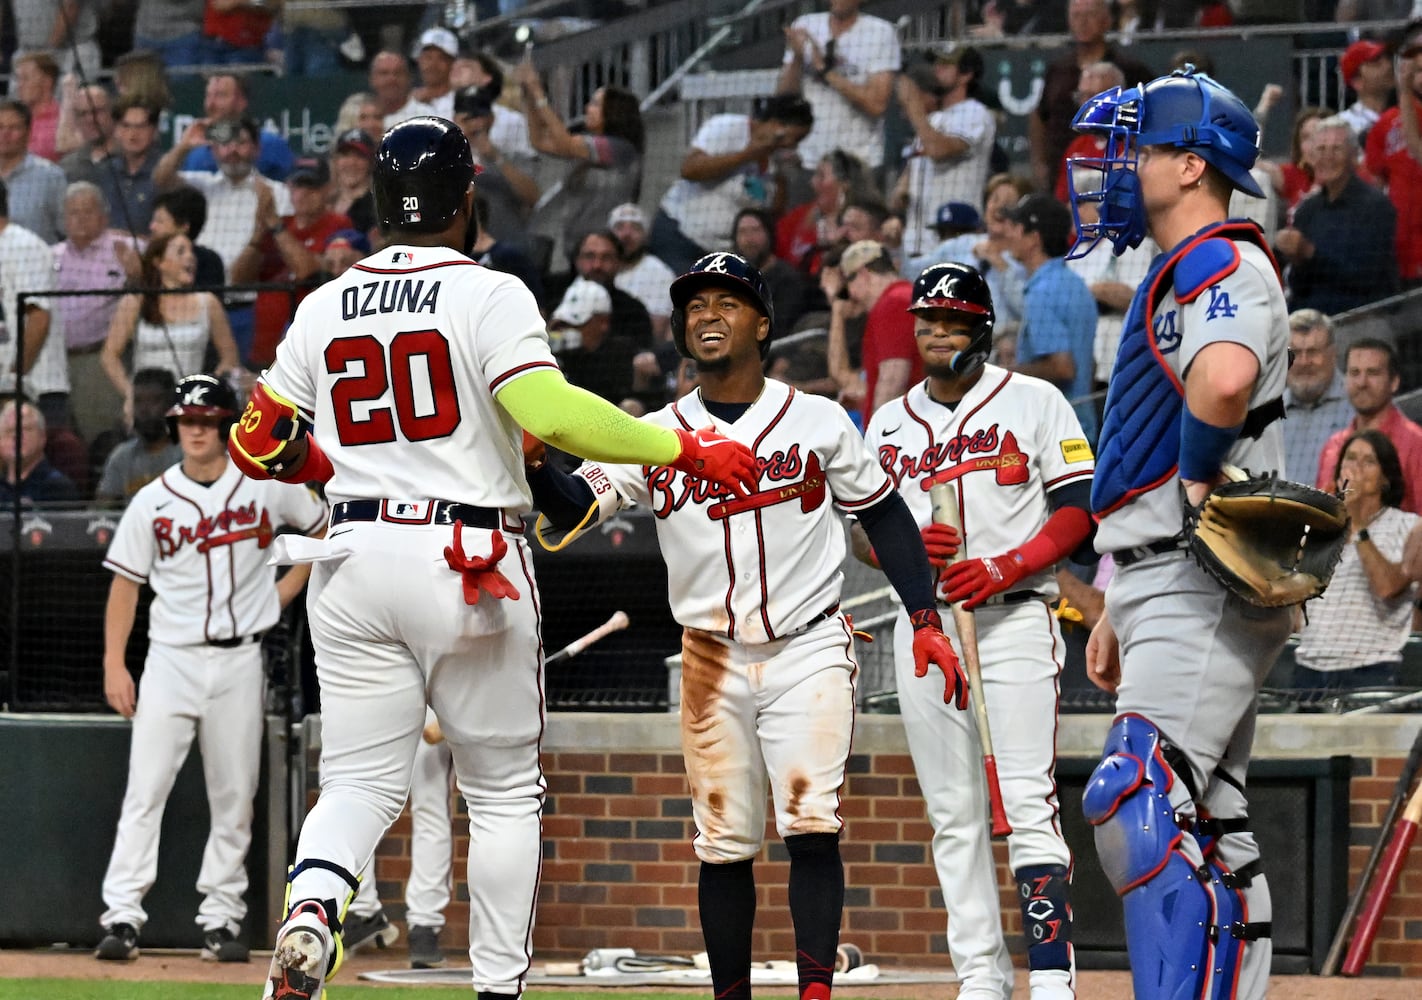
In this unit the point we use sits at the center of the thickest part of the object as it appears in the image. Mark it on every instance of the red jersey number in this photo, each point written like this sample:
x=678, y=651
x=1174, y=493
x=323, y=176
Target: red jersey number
x=420, y=371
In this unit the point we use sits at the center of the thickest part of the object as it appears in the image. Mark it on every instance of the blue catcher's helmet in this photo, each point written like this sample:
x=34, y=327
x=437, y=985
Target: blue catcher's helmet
x=724, y=270
x=1187, y=110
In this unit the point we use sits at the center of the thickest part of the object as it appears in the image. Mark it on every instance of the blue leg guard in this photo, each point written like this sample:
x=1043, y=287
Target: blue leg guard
x=1143, y=851
x=1044, y=891
x=1231, y=890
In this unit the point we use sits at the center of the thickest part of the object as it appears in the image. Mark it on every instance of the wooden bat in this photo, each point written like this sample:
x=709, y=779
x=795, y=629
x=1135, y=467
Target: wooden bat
x=1393, y=859
x=433, y=733
x=945, y=511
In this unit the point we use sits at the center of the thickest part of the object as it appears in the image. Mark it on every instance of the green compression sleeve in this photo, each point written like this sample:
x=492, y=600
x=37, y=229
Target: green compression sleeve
x=575, y=420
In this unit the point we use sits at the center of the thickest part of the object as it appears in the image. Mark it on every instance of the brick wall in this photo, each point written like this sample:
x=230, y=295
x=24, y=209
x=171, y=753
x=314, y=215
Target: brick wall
x=619, y=870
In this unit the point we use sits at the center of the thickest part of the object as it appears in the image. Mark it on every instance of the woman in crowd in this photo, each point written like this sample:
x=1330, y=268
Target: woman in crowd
x=1356, y=631
x=607, y=155
x=168, y=327
x=806, y=230
x=1298, y=172
x=1005, y=275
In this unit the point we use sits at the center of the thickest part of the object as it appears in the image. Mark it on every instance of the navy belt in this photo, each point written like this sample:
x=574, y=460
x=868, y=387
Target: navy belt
x=824, y=615
x=1125, y=557
x=235, y=641
x=1014, y=597
x=419, y=512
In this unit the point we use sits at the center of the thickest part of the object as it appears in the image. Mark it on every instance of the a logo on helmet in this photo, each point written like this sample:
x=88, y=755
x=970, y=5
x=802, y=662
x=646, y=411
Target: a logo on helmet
x=943, y=288
x=716, y=263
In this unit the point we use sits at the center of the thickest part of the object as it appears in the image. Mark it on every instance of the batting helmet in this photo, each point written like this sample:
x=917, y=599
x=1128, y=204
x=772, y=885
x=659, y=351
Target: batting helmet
x=422, y=171
x=204, y=396
x=726, y=270
x=1187, y=110
x=961, y=289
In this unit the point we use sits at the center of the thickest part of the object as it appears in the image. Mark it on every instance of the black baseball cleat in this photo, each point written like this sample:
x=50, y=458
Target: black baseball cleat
x=376, y=929
x=120, y=944
x=220, y=945
x=425, y=952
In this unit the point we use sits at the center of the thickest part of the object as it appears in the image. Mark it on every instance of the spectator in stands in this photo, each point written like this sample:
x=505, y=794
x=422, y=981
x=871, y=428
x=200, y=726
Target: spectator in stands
x=510, y=129
x=360, y=111
x=1020, y=17
x=866, y=281
x=392, y=87
x=351, y=162
x=790, y=291
x=1095, y=77
x=492, y=252
x=733, y=163
x=172, y=29
x=67, y=30
x=344, y=248
x=953, y=141
x=168, y=329
x=1371, y=378
x=957, y=227
x=234, y=31
x=1058, y=332
x=862, y=219
x=581, y=331
x=225, y=97
x=1049, y=128
x=607, y=157
x=184, y=210
x=27, y=473
x=91, y=114
x=1394, y=154
x=806, y=231
x=35, y=186
x=1366, y=69
x=1298, y=172
x=1354, y=634
x=285, y=249
x=992, y=255
x=1315, y=399
x=505, y=181
x=640, y=273
x=27, y=265
x=313, y=36
x=34, y=80
x=142, y=76
x=598, y=258
x=844, y=63
x=233, y=195
x=1340, y=246
x=435, y=53
x=89, y=260
x=148, y=451
x=128, y=177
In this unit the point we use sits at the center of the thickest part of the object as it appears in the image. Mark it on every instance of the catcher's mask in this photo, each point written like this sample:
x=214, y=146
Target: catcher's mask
x=1187, y=110
x=726, y=270
x=961, y=289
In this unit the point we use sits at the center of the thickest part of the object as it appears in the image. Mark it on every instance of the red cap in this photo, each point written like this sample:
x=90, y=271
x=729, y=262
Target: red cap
x=1358, y=53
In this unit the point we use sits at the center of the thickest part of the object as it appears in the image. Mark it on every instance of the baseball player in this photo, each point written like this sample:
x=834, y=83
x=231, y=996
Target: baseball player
x=414, y=371
x=1197, y=383
x=199, y=536
x=768, y=669
x=1015, y=452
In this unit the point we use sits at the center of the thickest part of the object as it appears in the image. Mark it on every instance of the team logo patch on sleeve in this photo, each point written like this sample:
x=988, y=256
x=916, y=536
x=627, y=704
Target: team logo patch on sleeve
x=1076, y=450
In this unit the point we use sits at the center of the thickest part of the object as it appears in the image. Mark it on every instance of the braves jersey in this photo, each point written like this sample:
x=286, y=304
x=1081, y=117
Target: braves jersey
x=398, y=361
x=203, y=549
x=1246, y=307
x=1009, y=442
x=754, y=568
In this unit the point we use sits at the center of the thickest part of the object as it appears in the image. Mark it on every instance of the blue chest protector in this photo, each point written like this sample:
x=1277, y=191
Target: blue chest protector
x=1139, y=446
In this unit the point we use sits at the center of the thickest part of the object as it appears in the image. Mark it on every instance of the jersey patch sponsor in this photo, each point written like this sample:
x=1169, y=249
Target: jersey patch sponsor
x=1076, y=450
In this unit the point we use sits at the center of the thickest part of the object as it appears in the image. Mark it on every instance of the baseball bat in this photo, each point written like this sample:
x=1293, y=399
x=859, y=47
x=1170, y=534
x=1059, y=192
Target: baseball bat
x=945, y=511
x=618, y=621
x=1393, y=859
x=1355, y=901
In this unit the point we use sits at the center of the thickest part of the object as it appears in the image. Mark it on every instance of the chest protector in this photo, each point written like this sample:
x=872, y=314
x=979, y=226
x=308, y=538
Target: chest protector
x=1139, y=447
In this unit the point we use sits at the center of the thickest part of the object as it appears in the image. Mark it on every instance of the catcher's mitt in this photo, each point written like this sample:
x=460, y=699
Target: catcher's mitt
x=1270, y=541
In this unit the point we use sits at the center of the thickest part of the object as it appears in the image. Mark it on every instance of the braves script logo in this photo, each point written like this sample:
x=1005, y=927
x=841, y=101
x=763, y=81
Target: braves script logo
x=672, y=490
x=984, y=449
x=226, y=528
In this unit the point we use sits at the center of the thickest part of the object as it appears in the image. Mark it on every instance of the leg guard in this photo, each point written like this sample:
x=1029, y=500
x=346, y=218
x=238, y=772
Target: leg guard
x=1241, y=931
x=1146, y=855
x=1044, y=892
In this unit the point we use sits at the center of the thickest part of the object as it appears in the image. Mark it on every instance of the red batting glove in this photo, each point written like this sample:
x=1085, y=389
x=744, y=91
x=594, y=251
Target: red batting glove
x=717, y=459
x=930, y=645
x=941, y=541
x=479, y=573
x=973, y=581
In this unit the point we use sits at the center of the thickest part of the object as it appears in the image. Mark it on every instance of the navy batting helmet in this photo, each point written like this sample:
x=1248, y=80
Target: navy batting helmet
x=203, y=396
x=725, y=270
x=961, y=289
x=422, y=171
x=1186, y=110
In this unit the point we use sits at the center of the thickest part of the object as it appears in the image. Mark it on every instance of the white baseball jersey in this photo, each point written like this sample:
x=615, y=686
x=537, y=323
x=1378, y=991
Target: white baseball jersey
x=705, y=210
x=934, y=183
x=1102, y=264
x=204, y=549
x=1009, y=442
x=398, y=360
x=870, y=46
x=27, y=265
x=754, y=568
